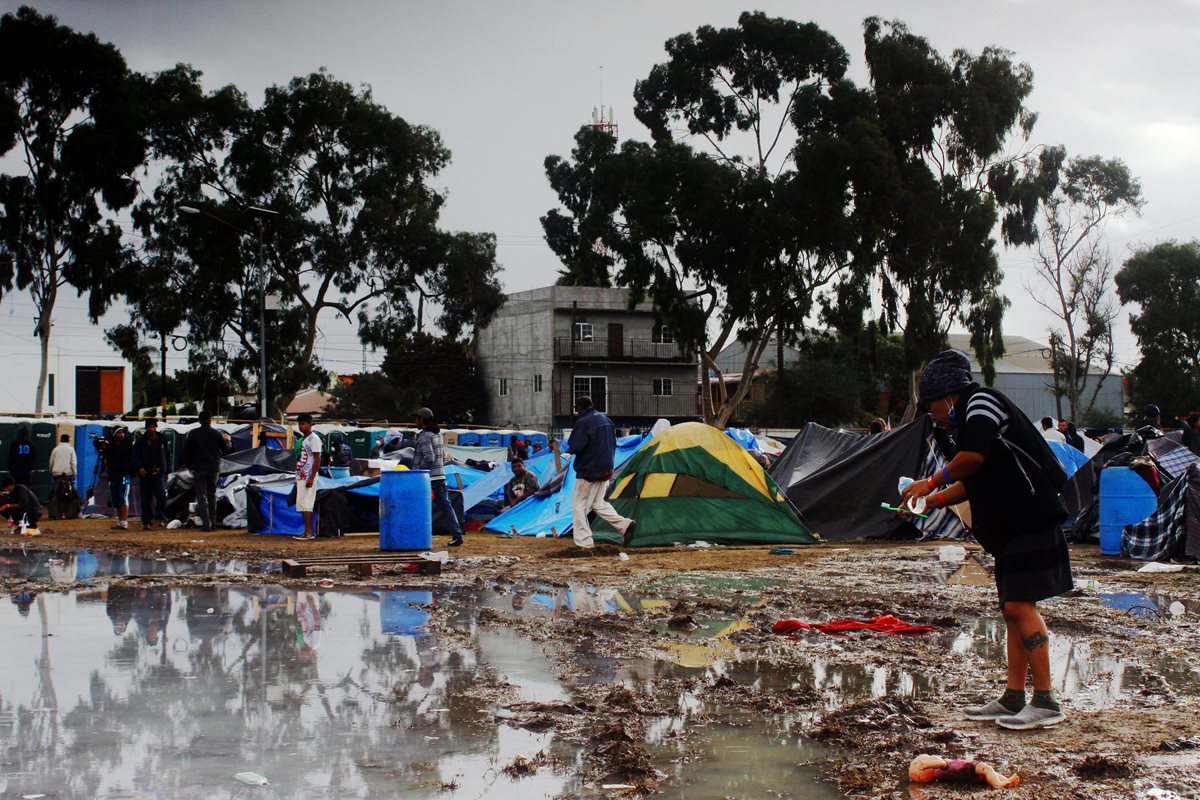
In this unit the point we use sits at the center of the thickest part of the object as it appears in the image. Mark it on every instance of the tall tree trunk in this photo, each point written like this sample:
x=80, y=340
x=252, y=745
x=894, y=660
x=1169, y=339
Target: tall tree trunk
x=45, y=317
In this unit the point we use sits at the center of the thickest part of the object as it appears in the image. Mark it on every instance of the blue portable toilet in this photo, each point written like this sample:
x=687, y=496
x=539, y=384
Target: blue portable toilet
x=495, y=438
x=1125, y=499
x=468, y=439
x=87, y=457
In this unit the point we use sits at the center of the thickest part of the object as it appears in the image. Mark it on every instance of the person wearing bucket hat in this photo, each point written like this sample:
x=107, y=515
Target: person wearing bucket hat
x=1012, y=480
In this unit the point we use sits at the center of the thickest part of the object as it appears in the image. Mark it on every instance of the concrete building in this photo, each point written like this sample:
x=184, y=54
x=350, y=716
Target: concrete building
x=548, y=346
x=87, y=378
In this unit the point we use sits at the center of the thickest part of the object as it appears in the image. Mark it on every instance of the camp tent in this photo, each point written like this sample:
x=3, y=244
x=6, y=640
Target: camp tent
x=837, y=481
x=694, y=483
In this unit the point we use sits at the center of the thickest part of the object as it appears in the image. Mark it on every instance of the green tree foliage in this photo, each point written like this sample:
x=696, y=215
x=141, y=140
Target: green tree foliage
x=67, y=105
x=949, y=125
x=1074, y=274
x=1164, y=281
x=746, y=234
x=419, y=370
x=355, y=231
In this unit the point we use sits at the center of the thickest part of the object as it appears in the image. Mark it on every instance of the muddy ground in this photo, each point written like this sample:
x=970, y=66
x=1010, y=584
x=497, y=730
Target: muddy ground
x=1130, y=742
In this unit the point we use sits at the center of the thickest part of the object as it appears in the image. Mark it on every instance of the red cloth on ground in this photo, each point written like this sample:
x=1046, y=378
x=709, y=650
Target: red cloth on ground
x=884, y=624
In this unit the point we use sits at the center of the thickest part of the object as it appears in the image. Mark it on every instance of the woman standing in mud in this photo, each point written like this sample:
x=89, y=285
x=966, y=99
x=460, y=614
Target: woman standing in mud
x=1012, y=480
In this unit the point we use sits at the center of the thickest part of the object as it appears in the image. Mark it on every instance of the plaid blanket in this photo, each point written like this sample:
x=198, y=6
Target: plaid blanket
x=1173, y=530
x=1171, y=457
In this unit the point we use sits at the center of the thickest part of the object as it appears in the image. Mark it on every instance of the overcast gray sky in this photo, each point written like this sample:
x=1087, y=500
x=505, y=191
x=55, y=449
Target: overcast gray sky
x=508, y=83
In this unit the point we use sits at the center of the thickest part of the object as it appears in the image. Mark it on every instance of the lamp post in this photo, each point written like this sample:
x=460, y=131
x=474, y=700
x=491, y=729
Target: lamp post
x=259, y=213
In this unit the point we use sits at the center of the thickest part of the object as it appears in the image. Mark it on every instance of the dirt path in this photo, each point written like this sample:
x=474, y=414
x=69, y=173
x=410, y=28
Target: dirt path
x=1130, y=680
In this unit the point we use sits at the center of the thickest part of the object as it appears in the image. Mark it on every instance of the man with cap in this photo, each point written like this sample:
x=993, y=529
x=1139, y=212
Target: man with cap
x=1011, y=478
x=428, y=453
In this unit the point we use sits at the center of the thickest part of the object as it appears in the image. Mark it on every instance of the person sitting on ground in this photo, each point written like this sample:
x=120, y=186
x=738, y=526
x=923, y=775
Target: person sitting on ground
x=20, y=458
x=19, y=505
x=118, y=462
x=877, y=426
x=1049, y=432
x=62, y=460
x=517, y=449
x=522, y=484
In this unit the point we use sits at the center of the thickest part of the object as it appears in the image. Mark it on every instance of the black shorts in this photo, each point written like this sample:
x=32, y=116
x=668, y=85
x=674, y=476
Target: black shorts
x=1034, y=565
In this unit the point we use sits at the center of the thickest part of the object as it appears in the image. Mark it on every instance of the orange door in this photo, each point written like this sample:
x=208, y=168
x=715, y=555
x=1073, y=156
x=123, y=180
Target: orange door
x=112, y=390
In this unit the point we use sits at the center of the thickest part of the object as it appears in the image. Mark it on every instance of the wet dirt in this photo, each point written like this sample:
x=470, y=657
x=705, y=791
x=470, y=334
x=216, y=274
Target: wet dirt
x=648, y=656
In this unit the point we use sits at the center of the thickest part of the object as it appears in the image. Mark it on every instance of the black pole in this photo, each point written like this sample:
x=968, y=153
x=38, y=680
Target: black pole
x=163, y=375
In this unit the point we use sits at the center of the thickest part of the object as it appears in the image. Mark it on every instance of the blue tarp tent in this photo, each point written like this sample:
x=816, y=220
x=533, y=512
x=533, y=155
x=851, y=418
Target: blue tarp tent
x=1070, y=458
x=549, y=512
x=743, y=437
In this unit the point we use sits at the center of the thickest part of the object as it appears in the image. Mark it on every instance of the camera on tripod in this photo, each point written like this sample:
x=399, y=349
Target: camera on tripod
x=99, y=442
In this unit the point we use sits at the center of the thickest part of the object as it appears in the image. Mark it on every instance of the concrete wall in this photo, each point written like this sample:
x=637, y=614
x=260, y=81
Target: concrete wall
x=18, y=390
x=1031, y=393
x=516, y=346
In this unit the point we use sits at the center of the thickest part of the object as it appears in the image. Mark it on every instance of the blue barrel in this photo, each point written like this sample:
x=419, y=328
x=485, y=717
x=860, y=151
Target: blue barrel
x=339, y=472
x=405, y=510
x=1125, y=499
x=400, y=612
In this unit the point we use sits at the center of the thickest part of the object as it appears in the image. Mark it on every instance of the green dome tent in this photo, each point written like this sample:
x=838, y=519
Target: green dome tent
x=693, y=483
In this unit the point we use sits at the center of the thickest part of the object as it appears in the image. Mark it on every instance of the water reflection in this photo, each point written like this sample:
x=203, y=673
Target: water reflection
x=169, y=692
x=84, y=565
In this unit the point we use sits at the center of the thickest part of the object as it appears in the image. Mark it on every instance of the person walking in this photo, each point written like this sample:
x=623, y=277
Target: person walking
x=151, y=458
x=118, y=463
x=20, y=458
x=1011, y=478
x=429, y=454
x=592, y=444
x=202, y=453
x=63, y=463
x=307, y=467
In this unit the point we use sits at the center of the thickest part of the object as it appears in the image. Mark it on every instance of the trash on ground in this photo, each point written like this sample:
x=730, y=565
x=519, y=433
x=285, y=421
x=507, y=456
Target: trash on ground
x=882, y=624
x=951, y=552
x=252, y=778
x=1158, y=566
x=781, y=551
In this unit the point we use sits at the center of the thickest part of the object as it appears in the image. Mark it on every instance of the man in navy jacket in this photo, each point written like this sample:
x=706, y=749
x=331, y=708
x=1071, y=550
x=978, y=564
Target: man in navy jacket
x=592, y=444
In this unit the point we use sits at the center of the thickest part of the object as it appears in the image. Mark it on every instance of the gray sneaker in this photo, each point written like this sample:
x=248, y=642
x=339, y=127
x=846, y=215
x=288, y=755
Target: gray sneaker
x=1031, y=717
x=993, y=710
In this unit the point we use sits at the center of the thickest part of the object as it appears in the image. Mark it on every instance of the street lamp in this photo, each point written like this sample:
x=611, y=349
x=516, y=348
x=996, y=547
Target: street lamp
x=259, y=213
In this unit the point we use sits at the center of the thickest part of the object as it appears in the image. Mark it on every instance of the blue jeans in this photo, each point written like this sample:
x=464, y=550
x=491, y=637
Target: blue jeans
x=154, y=498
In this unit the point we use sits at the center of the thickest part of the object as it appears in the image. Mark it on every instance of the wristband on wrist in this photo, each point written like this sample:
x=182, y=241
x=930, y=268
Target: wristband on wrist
x=936, y=496
x=946, y=477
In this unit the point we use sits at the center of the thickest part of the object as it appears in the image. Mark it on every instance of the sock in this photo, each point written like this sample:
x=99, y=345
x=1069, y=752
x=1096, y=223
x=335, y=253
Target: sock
x=1013, y=699
x=1046, y=700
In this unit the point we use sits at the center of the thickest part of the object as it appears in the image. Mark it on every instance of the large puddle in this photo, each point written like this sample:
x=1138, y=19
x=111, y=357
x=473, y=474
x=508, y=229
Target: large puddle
x=83, y=565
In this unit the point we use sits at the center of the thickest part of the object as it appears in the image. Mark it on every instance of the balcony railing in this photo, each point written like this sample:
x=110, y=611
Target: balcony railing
x=619, y=350
x=634, y=404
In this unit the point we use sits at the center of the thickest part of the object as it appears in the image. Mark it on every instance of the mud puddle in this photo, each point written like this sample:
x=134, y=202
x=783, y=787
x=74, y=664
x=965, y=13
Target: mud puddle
x=66, y=567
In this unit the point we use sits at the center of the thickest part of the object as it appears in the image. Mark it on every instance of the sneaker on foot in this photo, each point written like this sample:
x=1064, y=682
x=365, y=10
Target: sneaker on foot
x=455, y=543
x=1031, y=717
x=120, y=526
x=992, y=710
x=32, y=532
x=628, y=535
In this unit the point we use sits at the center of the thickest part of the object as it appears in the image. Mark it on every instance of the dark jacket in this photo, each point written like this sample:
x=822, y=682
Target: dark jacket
x=154, y=457
x=20, y=458
x=593, y=442
x=118, y=458
x=22, y=497
x=204, y=448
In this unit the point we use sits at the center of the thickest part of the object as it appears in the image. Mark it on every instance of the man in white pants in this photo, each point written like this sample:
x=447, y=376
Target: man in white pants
x=306, y=475
x=592, y=444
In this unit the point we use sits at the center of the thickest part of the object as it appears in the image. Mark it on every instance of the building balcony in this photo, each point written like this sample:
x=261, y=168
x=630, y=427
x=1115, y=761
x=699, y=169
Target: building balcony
x=633, y=404
x=633, y=350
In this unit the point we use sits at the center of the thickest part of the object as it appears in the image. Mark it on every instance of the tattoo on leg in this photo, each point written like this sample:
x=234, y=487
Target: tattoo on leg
x=1034, y=640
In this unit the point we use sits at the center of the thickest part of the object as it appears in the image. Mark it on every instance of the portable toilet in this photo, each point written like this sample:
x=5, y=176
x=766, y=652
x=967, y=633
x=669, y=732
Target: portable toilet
x=87, y=456
x=450, y=438
x=363, y=440
x=468, y=439
x=43, y=436
x=495, y=438
x=540, y=440
x=1125, y=499
x=8, y=434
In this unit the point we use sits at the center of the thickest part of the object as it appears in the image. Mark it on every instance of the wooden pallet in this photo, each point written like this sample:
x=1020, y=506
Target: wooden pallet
x=361, y=564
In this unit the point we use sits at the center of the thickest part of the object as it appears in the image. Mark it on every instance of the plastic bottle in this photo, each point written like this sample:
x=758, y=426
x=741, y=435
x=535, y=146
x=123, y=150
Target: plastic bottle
x=252, y=778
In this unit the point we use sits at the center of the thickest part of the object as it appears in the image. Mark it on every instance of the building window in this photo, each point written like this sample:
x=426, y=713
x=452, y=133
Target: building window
x=595, y=387
x=583, y=332
x=504, y=387
x=662, y=387
x=537, y=383
x=50, y=390
x=663, y=335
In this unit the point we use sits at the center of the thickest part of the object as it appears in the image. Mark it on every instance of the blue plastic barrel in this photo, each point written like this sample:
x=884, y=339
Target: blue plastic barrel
x=405, y=510
x=1125, y=499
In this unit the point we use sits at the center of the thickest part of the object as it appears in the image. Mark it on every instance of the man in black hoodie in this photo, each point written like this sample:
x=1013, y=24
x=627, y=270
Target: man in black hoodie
x=202, y=453
x=151, y=458
x=118, y=462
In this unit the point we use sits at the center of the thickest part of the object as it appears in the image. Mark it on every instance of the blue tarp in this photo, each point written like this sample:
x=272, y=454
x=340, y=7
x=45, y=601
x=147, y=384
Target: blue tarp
x=552, y=514
x=743, y=437
x=1070, y=458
